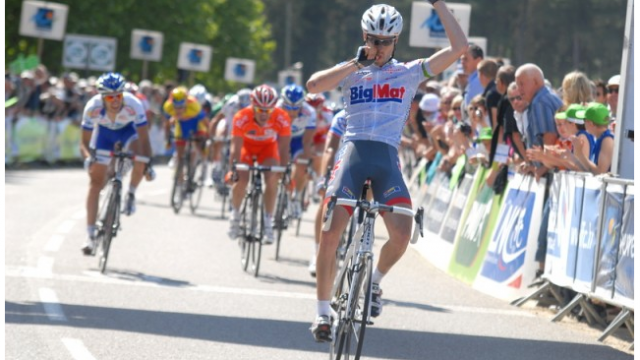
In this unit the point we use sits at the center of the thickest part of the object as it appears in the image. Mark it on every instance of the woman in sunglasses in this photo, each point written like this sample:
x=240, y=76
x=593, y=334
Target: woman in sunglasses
x=378, y=91
x=262, y=131
x=109, y=117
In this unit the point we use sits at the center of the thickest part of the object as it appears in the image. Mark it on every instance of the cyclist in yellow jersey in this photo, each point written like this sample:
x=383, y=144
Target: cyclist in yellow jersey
x=185, y=114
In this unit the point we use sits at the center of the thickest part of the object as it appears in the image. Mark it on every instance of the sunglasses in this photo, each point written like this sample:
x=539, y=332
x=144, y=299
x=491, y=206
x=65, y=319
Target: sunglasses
x=514, y=98
x=112, y=97
x=378, y=42
x=290, y=107
x=456, y=108
x=260, y=110
x=612, y=90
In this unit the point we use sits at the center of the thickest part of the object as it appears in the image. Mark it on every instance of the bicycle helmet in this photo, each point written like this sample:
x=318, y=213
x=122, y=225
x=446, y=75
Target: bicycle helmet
x=110, y=82
x=179, y=96
x=131, y=87
x=315, y=100
x=292, y=95
x=382, y=20
x=264, y=96
x=199, y=92
x=244, y=97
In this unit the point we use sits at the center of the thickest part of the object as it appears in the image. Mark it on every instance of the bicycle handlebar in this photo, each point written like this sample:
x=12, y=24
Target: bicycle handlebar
x=122, y=154
x=246, y=167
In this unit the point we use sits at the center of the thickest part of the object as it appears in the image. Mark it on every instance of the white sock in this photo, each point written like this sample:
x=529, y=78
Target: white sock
x=132, y=189
x=268, y=220
x=91, y=230
x=377, y=276
x=235, y=213
x=324, y=307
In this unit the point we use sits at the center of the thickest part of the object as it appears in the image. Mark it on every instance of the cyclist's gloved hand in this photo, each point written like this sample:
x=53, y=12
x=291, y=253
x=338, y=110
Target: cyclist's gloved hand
x=231, y=177
x=88, y=161
x=361, y=57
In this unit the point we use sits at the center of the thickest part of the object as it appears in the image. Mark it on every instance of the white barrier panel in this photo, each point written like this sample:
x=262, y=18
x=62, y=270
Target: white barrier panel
x=454, y=213
x=609, y=241
x=562, y=204
x=575, y=184
x=439, y=206
x=509, y=264
x=624, y=286
x=588, y=239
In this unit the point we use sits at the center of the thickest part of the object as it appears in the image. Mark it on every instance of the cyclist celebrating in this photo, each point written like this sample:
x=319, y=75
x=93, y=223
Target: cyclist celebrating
x=264, y=132
x=303, y=126
x=109, y=117
x=185, y=114
x=378, y=91
x=220, y=127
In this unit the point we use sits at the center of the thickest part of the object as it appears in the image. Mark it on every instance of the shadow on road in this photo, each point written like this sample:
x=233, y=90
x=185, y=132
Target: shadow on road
x=294, y=335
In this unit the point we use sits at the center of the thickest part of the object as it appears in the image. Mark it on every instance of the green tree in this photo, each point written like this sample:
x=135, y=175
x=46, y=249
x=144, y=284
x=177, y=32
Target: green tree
x=235, y=28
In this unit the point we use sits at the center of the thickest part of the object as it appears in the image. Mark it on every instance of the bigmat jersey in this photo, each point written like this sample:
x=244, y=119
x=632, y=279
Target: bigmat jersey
x=96, y=114
x=377, y=100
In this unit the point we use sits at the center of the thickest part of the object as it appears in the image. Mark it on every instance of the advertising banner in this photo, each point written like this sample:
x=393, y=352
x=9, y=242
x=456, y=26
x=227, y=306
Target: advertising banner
x=587, y=238
x=439, y=206
x=240, y=70
x=625, y=266
x=562, y=197
x=426, y=29
x=194, y=57
x=610, y=231
x=509, y=264
x=69, y=140
x=146, y=45
x=469, y=249
x=454, y=213
x=575, y=184
x=30, y=137
x=45, y=20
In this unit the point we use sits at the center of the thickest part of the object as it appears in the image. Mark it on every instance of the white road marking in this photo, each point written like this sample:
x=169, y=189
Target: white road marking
x=77, y=349
x=66, y=226
x=96, y=277
x=54, y=243
x=45, y=265
x=51, y=305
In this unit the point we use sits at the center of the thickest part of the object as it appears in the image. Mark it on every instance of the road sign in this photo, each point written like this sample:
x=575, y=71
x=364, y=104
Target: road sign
x=146, y=45
x=44, y=20
x=426, y=29
x=89, y=52
x=194, y=57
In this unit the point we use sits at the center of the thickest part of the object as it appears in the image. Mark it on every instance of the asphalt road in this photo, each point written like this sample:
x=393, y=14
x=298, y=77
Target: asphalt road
x=174, y=289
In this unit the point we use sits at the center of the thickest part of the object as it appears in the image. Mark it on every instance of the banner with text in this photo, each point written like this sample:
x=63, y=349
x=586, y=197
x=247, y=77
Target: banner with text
x=90, y=52
x=610, y=231
x=562, y=198
x=624, y=286
x=587, y=238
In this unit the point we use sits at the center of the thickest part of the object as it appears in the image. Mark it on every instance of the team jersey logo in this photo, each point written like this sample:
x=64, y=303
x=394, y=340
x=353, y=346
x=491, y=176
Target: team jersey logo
x=391, y=191
x=377, y=93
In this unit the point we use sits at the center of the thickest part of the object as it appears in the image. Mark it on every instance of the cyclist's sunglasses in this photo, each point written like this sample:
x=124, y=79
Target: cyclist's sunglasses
x=377, y=42
x=112, y=97
x=260, y=110
x=290, y=107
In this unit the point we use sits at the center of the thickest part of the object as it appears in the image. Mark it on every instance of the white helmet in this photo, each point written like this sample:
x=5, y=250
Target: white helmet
x=382, y=20
x=199, y=92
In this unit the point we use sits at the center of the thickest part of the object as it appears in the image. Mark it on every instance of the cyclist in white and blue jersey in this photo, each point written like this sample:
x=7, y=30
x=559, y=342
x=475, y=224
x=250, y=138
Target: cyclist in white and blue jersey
x=303, y=127
x=377, y=91
x=109, y=117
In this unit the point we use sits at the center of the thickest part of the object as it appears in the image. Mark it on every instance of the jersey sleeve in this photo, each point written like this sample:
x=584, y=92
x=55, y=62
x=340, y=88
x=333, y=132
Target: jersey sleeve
x=91, y=111
x=338, y=124
x=168, y=109
x=137, y=110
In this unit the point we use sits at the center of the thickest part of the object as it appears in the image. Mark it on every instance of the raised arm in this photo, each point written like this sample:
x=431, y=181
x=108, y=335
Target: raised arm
x=441, y=60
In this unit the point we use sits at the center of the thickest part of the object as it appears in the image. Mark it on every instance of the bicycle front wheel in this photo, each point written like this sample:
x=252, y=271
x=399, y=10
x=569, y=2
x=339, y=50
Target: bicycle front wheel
x=245, y=240
x=258, y=224
x=109, y=227
x=196, y=179
x=281, y=218
x=177, y=192
x=353, y=320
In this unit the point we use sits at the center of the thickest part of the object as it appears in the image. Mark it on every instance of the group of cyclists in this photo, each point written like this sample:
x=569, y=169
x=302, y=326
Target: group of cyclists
x=274, y=128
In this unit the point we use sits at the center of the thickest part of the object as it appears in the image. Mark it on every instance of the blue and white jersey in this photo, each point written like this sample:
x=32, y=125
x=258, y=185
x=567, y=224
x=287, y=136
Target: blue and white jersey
x=95, y=113
x=377, y=100
x=339, y=123
x=305, y=120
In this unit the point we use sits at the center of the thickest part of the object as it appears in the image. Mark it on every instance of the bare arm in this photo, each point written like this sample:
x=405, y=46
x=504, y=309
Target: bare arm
x=84, y=143
x=441, y=60
x=329, y=79
x=283, y=148
x=234, y=152
x=143, y=136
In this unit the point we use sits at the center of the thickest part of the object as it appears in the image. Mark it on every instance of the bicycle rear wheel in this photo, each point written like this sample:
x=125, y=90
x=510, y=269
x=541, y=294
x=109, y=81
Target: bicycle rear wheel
x=282, y=217
x=196, y=179
x=109, y=227
x=257, y=216
x=354, y=312
x=303, y=209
